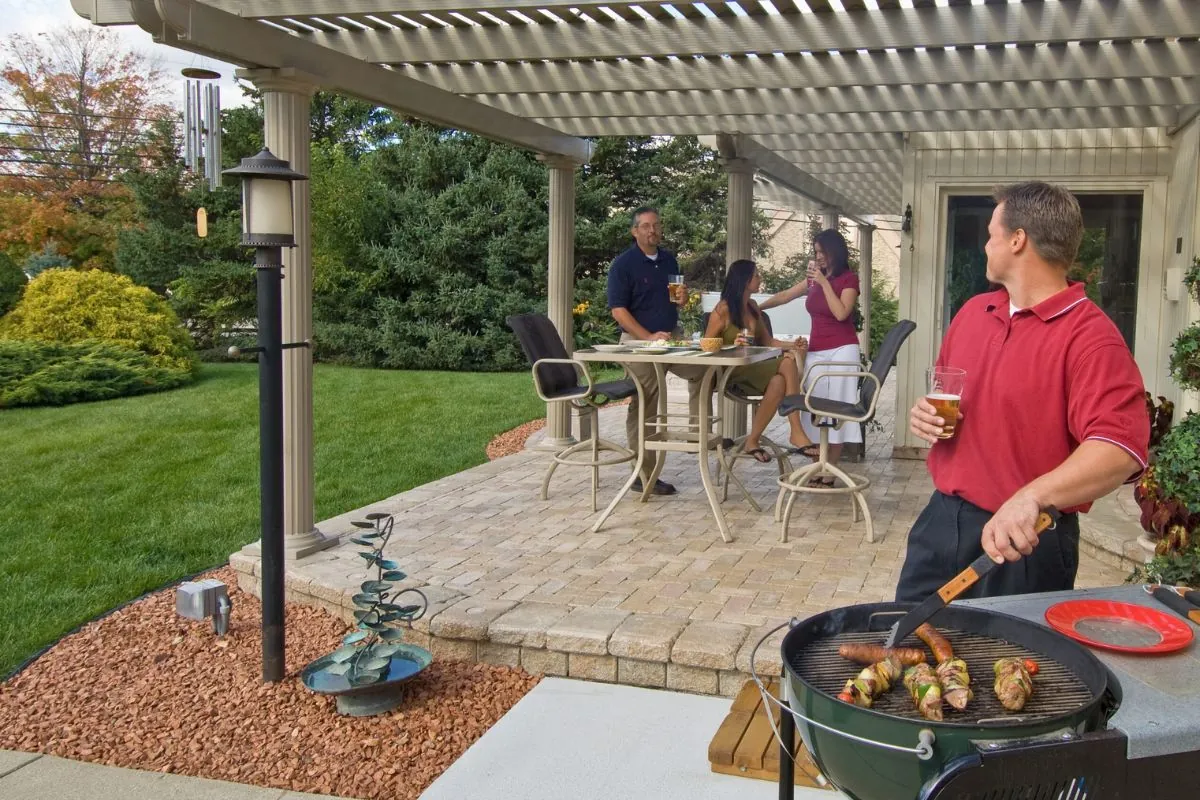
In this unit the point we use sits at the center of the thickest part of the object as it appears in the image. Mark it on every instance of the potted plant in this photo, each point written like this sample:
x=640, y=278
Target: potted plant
x=366, y=674
x=1185, y=358
x=1191, y=279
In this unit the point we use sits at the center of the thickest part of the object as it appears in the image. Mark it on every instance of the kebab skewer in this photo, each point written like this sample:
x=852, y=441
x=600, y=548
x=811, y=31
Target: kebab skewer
x=872, y=682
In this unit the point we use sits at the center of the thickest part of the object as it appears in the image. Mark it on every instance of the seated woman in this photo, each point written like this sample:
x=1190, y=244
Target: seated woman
x=831, y=292
x=737, y=312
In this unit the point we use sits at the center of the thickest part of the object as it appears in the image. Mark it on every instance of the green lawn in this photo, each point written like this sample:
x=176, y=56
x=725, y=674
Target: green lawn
x=100, y=502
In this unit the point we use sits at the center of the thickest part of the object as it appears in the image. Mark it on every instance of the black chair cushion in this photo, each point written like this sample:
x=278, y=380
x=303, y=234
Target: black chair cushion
x=539, y=339
x=615, y=390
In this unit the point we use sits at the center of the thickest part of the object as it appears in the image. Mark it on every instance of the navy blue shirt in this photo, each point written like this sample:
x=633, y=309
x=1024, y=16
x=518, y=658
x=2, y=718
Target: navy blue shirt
x=638, y=284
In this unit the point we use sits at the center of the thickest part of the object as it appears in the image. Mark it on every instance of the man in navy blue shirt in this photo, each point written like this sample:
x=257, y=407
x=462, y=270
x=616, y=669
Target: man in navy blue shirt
x=640, y=302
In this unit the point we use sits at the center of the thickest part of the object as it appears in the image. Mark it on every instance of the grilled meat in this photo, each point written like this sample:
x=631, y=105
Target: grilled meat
x=1014, y=684
x=872, y=682
x=925, y=690
x=874, y=653
x=956, y=683
x=940, y=645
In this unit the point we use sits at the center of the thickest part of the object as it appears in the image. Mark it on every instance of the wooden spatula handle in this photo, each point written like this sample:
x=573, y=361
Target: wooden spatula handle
x=984, y=564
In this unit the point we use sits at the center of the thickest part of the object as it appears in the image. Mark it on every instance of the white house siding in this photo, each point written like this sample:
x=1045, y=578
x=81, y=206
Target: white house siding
x=937, y=165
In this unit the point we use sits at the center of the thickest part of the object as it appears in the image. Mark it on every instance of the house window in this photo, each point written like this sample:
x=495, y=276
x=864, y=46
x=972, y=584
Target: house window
x=1107, y=260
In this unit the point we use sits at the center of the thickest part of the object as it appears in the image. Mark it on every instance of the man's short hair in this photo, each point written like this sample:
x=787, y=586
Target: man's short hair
x=637, y=212
x=1048, y=214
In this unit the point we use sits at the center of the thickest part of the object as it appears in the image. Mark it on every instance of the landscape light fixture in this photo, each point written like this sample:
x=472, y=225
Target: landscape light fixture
x=267, y=227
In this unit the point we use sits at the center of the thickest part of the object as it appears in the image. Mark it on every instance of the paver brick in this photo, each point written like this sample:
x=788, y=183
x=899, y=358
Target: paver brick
x=592, y=668
x=709, y=644
x=585, y=630
x=543, y=662
x=468, y=619
x=632, y=672
x=645, y=637
x=453, y=649
x=526, y=624
x=692, y=679
x=508, y=655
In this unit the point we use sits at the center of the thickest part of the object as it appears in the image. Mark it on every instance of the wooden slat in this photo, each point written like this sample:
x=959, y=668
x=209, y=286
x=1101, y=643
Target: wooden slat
x=745, y=746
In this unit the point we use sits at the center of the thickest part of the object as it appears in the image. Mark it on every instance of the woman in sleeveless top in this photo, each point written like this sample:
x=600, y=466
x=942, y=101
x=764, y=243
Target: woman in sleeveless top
x=772, y=379
x=831, y=293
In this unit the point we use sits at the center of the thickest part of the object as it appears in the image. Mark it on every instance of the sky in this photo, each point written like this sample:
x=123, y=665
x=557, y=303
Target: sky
x=30, y=17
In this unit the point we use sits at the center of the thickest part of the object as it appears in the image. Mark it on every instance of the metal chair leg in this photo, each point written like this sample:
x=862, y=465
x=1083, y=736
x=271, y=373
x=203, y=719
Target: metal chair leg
x=594, y=419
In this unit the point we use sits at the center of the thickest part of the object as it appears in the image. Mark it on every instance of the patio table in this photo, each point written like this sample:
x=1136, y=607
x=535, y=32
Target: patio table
x=696, y=435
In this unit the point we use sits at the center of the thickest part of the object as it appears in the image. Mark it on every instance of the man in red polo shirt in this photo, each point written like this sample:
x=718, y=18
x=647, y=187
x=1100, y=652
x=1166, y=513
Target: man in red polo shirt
x=1052, y=414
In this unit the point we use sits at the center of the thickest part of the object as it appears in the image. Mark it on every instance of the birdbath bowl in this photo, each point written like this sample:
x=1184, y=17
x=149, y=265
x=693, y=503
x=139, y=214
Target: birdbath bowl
x=366, y=700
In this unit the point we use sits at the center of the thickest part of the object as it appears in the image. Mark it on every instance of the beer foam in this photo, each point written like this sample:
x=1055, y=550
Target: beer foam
x=940, y=396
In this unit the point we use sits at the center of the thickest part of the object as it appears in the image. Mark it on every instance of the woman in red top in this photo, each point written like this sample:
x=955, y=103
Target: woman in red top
x=831, y=292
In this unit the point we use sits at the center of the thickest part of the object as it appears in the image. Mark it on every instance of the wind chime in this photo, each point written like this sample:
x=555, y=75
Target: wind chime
x=202, y=124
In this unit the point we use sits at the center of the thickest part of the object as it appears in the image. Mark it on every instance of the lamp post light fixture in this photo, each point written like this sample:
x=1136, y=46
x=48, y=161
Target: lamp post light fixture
x=268, y=227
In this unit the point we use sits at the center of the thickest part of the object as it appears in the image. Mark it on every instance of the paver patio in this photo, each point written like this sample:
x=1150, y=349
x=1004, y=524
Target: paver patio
x=655, y=598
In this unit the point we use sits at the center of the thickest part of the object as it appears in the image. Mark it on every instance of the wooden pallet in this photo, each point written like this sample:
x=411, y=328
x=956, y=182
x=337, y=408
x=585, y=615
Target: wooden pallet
x=745, y=746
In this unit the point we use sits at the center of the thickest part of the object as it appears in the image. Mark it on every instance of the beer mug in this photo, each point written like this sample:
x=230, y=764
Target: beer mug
x=677, y=290
x=945, y=394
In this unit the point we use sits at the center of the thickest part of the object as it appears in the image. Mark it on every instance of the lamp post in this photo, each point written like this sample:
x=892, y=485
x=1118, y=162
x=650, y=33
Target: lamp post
x=267, y=226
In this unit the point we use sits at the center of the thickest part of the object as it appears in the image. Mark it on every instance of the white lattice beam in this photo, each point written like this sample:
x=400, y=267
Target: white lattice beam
x=859, y=99
x=820, y=70
x=995, y=24
x=782, y=124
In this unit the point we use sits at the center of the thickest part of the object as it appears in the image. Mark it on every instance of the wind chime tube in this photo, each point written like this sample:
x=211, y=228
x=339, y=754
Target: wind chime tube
x=189, y=159
x=214, y=138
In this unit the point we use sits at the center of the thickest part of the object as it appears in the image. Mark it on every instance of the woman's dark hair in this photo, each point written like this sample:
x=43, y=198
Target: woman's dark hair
x=737, y=282
x=837, y=254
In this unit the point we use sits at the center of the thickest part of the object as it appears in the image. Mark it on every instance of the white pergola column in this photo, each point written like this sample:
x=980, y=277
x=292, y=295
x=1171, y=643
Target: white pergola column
x=560, y=287
x=287, y=95
x=739, y=227
x=829, y=219
x=866, y=236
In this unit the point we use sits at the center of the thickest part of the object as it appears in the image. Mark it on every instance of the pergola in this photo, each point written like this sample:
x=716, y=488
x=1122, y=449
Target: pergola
x=813, y=99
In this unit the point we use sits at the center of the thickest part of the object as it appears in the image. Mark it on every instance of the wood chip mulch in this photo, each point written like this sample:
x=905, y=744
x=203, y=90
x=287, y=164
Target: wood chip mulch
x=148, y=689
x=513, y=441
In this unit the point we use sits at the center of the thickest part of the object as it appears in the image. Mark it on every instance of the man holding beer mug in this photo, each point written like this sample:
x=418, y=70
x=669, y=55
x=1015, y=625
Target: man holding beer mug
x=645, y=290
x=1035, y=401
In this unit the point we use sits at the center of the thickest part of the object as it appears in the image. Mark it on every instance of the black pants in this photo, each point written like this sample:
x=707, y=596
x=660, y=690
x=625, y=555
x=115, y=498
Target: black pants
x=946, y=538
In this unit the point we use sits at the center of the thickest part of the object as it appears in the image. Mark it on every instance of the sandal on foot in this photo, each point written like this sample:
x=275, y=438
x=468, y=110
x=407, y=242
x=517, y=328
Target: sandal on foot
x=821, y=483
x=760, y=455
x=812, y=451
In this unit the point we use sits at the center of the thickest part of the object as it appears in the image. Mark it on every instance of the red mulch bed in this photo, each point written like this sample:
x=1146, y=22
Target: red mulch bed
x=147, y=689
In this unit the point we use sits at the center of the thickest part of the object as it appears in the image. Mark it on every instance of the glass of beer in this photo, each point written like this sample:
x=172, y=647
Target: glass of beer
x=944, y=394
x=677, y=290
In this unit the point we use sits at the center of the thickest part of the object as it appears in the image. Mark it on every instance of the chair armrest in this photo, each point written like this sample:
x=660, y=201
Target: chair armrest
x=580, y=369
x=811, y=367
x=874, y=399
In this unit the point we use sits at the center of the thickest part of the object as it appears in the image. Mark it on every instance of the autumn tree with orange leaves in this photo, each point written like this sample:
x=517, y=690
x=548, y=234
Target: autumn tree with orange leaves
x=76, y=110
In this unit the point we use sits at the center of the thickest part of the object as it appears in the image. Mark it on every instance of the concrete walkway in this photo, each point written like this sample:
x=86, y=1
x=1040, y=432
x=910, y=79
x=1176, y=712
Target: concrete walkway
x=591, y=741
x=30, y=776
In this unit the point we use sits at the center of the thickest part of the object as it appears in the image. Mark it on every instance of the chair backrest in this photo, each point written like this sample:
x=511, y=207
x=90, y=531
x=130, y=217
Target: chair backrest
x=539, y=339
x=885, y=358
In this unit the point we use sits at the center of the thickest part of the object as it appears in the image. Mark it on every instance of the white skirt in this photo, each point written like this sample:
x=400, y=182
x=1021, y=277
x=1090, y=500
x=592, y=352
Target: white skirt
x=843, y=389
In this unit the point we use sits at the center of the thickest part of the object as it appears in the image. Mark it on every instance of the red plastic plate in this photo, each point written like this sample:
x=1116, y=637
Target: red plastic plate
x=1125, y=627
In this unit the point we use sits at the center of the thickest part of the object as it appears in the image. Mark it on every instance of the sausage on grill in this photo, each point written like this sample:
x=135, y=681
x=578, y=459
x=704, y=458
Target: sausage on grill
x=940, y=645
x=874, y=653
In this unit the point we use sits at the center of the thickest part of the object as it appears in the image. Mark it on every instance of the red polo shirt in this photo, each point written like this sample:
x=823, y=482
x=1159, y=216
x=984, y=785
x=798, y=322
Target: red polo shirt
x=1038, y=383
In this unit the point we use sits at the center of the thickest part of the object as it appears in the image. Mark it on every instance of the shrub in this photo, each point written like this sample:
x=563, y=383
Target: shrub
x=65, y=306
x=215, y=297
x=37, y=373
x=1185, y=358
x=12, y=283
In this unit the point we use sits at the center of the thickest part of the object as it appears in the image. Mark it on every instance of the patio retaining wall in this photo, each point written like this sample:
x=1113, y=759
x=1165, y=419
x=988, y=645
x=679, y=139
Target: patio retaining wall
x=595, y=644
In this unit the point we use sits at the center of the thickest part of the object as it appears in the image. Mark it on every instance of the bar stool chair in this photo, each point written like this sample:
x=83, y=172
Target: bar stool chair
x=735, y=447
x=557, y=378
x=831, y=415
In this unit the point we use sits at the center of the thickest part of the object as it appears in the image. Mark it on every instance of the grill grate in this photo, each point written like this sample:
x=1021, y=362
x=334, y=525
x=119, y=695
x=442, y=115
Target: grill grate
x=1056, y=690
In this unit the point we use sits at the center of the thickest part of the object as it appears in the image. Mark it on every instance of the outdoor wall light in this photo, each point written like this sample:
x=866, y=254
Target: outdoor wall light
x=267, y=227
x=206, y=598
x=906, y=223
x=266, y=200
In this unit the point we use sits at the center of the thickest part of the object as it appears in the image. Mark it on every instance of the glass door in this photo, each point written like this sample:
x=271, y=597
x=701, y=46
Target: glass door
x=1107, y=261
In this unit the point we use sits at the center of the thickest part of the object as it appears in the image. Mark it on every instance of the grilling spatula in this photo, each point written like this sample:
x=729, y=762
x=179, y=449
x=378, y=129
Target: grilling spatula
x=956, y=586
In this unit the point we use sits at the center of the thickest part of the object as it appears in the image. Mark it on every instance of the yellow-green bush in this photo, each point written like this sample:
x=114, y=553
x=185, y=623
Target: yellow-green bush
x=65, y=306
